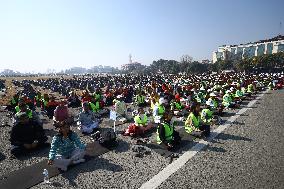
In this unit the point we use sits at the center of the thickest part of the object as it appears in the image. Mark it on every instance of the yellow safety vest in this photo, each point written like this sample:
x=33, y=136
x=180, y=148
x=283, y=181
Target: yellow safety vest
x=169, y=130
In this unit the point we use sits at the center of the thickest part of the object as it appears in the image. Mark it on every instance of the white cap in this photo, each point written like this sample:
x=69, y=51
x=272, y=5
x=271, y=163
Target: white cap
x=119, y=96
x=182, y=100
x=209, y=103
x=161, y=100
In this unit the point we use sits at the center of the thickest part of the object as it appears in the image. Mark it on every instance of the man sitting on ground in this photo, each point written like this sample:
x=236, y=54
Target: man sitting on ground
x=87, y=120
x=26, y=134
x=140, y=99
x=120, y=109
x=159, y=110
x=62, y=113
x=140, y=126
x=23, y=107
x=166, y=135
x=193, y=124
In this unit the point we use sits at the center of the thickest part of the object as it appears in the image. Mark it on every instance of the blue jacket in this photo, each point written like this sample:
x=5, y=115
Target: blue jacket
x=65, y=147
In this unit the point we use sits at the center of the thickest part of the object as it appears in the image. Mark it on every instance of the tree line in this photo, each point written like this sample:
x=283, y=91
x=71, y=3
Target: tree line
x=263, y=63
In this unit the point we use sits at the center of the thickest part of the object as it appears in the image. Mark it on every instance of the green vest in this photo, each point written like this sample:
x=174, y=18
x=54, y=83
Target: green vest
x=169, y=130
x=227, y=100
x=138, y=119
x=97, y=96
x=195, y=121
x=29, y=113
x=17, y=108
x=238, y=93
x=95, y=107
x=206, y=115
x=178, y=106
x=13, y=101
x=214, y=102
x=161, y=109
x=139, y=99
x=250, y=88
x=44, y=102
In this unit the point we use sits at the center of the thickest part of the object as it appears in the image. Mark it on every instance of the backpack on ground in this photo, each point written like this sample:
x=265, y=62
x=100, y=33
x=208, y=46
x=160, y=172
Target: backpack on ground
x=106, y=139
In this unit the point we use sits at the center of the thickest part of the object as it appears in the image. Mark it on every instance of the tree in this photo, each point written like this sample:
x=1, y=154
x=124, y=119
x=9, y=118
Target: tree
x=186, y=59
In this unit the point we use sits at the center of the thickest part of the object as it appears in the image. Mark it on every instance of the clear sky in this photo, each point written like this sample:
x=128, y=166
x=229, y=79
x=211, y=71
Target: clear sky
x=59, y=34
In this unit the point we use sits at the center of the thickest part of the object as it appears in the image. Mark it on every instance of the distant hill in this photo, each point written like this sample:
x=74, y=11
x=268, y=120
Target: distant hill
x=9, y=72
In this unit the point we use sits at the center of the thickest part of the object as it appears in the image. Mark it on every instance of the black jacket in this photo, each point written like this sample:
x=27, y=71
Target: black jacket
x=27, y=133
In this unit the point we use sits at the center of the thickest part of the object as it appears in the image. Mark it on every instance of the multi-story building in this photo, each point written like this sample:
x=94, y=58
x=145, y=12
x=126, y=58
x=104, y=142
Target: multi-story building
x=249, y=50
x=206, y=61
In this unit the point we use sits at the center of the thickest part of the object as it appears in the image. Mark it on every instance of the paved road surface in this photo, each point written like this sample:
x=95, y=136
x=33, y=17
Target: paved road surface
x=249, y=154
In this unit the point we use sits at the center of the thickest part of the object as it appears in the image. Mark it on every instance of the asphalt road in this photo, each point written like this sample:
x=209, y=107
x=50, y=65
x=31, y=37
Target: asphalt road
x=249, y=154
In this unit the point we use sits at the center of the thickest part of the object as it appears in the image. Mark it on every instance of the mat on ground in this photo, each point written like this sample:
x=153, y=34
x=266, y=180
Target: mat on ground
x=32, y=175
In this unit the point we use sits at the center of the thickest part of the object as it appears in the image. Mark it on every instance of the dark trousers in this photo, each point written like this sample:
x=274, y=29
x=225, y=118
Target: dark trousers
x=175, y=142
x=205, y=129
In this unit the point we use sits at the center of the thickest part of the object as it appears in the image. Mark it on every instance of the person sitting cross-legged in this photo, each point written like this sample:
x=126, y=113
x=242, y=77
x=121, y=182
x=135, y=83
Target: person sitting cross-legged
x=26, y=134
x=159, y=110
x=66, y=148
x=87, y=119
x=62, y=113
x=121, y=109
x=73, y=100
x=141, y=120
x=193, y=124
x=140, y=99
x=23, y=107
x=166, y=135
x=140, y=126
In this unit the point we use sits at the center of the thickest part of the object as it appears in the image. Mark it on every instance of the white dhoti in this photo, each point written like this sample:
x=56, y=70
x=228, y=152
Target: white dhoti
x=62, y=162
x=88, y=128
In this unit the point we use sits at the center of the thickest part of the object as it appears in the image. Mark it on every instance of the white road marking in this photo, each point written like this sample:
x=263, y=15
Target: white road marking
x=177, y=164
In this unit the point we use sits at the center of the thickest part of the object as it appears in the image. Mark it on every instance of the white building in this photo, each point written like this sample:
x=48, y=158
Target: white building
x=131, y=65
x=233, y=52
x=206, y=61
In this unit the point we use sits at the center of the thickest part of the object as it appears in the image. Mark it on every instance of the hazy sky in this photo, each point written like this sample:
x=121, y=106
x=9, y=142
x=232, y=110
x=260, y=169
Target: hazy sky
x=37, y=35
